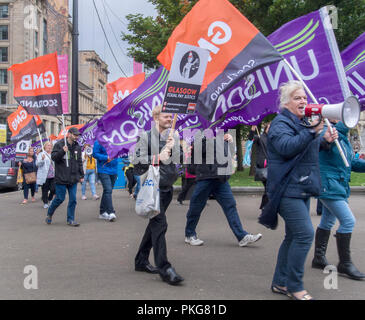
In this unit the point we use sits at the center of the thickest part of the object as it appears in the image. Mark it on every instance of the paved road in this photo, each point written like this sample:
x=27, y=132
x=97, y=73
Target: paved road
x=95, y=261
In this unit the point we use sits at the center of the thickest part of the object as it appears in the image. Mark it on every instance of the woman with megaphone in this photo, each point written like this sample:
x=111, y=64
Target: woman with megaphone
x=293, y=177
x=335, y=192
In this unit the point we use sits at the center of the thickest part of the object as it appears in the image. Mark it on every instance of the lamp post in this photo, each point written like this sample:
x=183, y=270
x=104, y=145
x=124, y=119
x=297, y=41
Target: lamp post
x=75, y=64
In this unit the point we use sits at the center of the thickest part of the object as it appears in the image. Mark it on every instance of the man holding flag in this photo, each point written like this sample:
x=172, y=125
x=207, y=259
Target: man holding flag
x=158, y=146
x=67, y=177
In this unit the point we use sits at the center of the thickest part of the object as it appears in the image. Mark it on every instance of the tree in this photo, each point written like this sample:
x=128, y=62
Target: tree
x=148, y=36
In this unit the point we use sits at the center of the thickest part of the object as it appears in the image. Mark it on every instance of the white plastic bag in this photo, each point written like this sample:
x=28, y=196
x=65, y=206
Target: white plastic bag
x=148, y=198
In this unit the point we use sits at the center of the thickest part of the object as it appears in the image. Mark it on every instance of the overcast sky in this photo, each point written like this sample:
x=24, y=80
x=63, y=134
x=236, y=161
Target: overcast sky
x=92, y=37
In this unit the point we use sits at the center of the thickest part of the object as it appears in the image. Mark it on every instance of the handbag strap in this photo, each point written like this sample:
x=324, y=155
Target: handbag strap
x=263, y=148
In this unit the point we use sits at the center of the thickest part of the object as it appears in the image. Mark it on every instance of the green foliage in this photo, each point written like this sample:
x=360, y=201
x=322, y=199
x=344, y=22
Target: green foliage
x=148, y=36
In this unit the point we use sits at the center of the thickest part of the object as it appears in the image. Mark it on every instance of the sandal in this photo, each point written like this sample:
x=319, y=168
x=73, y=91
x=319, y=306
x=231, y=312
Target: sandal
x=306, y=296
x=24, y=201
x=276, y=289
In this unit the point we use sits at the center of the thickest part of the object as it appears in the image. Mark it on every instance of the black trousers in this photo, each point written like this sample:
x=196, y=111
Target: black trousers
x=48, y=190
x=155, y=237
x=264, y=199
x=131, y=179
x=187, y=184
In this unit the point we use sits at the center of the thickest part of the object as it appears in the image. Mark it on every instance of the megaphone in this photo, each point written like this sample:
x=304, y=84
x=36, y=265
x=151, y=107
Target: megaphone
x=89, y=151
x=348, y=111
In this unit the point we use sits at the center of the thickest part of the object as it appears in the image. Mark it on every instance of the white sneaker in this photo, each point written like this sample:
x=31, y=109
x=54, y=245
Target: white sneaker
x=83, y=198
x=104, y=216
x=194, y=241
x=112, y=217
x=96, y=197
x=45, y=206
x=250, y=238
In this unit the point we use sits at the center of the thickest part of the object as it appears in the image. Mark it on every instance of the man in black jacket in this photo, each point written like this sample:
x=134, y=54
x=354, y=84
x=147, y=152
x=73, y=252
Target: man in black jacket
x=67, y=176
x=212, y=163
x=260, y=146
x=159, y=147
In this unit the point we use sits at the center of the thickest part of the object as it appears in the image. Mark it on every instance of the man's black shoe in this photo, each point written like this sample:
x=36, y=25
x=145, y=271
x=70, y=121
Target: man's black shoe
x=171, y=277
x=149, y=268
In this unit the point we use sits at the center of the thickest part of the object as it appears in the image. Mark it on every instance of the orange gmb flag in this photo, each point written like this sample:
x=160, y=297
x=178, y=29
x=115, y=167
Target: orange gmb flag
x=236, y=47
x=21, y=124
x=39, y=124
x=122, y=88
x=61, y=135
x=37, y=85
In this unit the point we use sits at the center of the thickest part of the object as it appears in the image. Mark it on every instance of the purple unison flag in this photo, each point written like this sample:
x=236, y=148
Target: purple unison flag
x=8, y=152
x=309, y=45
x=37, y=145
x=88, y=133
x=353, y=58
x=119, y=128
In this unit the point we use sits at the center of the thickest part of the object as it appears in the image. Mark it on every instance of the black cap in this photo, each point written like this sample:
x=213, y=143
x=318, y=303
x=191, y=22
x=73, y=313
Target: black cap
x=74, y=131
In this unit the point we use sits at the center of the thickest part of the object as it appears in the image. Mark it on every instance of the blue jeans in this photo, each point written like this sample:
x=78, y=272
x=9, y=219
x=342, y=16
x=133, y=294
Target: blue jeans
x=339, y=209
x=138, y=185
x=26, y=188
x=106, y=203
x=60, y=197
x=298, y=239
x=223, y=193
x=89, y=176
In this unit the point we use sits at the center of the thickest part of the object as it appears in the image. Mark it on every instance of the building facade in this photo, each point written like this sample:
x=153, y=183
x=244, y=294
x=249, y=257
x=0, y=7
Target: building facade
x=32, y=28
x=93, y=77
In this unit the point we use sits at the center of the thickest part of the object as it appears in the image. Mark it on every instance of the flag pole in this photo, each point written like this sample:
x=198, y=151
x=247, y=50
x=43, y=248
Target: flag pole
x=40, y=137
x=64, y=137
x=316, y=102
x=173, y=124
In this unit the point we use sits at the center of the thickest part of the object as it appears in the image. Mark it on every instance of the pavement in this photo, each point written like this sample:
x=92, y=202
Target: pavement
x=96, y=260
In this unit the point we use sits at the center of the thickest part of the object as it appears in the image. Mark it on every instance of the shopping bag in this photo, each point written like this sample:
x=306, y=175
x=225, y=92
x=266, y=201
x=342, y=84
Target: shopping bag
x=148, y=198
x=19, y=178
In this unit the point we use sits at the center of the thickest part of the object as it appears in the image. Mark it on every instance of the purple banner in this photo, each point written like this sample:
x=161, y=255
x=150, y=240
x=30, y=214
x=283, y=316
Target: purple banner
x=310, y=47
x=8, y=152
x=37, y=145
x=353, y=58
x=88, y=132
x=118, y=129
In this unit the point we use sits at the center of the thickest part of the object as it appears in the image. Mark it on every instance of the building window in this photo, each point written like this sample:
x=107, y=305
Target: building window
x=3, y=97
x=3, y=54
x=3, y=76
x=4, y=11
x=45, y=37
x=4, y=34
x=36, y=40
